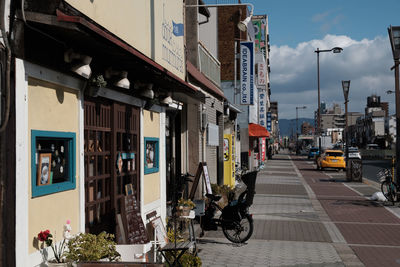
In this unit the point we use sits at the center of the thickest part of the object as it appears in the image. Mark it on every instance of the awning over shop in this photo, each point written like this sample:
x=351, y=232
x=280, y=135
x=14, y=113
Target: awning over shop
x=256, y=130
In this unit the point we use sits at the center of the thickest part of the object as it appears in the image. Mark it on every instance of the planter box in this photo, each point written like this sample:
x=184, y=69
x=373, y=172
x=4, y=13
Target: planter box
x=119, y=264
x=133, y=252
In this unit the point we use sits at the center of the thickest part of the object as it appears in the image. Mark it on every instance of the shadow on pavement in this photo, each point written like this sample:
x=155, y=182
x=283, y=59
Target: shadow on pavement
x=307, y=169
x=212, y=241
x=364, y=203
x=334, y=180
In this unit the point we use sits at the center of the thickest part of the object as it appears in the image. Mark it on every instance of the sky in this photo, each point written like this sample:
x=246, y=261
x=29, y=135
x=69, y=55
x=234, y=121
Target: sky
x=298, y=27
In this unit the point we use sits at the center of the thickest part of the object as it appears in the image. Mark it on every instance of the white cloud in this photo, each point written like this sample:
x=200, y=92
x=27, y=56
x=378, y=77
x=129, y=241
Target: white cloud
x=366, y=63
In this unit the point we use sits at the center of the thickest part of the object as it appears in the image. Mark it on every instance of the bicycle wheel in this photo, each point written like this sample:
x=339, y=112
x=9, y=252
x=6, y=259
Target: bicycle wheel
x=389, y=190
x=238, y=231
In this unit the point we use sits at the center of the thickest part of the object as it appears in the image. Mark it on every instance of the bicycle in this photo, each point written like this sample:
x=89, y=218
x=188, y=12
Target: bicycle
x=389, y=188
x=235, y=220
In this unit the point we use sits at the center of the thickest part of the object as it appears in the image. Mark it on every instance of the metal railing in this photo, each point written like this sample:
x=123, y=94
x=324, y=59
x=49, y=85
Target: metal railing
x=209, y=65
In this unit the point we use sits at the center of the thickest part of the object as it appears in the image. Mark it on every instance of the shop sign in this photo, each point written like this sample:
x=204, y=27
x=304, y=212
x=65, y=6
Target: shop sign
x=261, y=76
x=262, y=110
x=260, y=32
x=263, y=149
x=269, y=121
x=246, y=73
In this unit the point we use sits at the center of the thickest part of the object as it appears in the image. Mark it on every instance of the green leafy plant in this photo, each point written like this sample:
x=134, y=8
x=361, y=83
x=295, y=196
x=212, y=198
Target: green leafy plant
x=172, y=236
x=89, y=247
x=98, y=81
x=187, y=259
x=224, y=190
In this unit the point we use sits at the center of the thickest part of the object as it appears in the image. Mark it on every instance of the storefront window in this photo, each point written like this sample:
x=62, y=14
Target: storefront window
x=53, y=162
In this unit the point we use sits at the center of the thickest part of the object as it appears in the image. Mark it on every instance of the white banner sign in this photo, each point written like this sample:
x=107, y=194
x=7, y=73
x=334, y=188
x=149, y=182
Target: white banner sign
x=246, y=73
x=262, y=110
x=261, y=77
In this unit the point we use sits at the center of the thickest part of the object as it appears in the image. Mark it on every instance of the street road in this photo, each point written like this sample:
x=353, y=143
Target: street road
x=371, y=168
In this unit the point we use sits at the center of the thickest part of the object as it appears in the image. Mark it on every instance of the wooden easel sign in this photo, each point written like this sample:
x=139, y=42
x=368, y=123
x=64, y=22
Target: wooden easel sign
x=201, y=169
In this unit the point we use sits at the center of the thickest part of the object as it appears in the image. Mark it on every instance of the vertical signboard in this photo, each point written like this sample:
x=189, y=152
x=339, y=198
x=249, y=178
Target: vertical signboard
x=260, y=27
x=269, y=121
x=246, y=73
x=229, y=171
x=263, y=149
x=262, y=111
x=261, y=74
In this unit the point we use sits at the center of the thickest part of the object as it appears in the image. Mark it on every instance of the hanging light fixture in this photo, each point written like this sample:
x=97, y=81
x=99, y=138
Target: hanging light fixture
x=122, y=80
x=242, y=25
x=81, y=65
x=167, y=100
x=148, y=91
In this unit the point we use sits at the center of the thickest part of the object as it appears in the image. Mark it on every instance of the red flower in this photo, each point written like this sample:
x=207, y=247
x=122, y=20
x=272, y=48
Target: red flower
x=43, y=235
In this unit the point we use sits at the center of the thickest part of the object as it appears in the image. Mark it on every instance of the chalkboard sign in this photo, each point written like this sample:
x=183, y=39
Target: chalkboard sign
x=202, y=168
x=135, y=231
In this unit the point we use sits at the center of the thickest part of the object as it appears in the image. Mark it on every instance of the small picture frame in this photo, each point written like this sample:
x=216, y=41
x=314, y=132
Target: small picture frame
x=44, y=169
x=151, y=158
x=128, y=189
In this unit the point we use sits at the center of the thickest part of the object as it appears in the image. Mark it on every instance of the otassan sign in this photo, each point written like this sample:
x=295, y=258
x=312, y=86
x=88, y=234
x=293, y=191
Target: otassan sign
x=247, y=73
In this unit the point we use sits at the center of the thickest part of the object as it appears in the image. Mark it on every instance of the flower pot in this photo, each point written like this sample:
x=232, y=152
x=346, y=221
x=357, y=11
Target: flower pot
x=185, y=211
x=59, y=264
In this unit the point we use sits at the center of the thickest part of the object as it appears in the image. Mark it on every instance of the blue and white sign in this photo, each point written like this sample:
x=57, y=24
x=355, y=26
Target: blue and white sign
x=247, y=73
x=262, y=110
x=269, y=121
x=177, y=29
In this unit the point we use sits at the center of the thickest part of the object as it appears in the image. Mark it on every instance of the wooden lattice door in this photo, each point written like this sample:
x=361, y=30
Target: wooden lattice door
x=111, y=131
x=126, y=140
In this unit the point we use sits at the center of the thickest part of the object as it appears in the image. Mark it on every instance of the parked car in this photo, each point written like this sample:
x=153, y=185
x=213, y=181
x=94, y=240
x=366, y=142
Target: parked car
x=331, y=159
x=313, y=152
x=354, y=153
x=372, y=146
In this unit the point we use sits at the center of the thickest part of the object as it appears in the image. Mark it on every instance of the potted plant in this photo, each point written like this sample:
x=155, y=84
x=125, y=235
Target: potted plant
x=227, y=192
x=95, y=83
x=58, y=250
x=86, y=247
x=184, y=206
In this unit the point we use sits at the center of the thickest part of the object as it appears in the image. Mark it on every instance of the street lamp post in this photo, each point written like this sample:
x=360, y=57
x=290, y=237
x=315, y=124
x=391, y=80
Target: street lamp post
x=297, y=118
x=334, y=50
x=394, y=36
x=346, y=87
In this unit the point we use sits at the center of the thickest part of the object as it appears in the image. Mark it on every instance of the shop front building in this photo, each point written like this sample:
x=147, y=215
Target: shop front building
x=84, y=140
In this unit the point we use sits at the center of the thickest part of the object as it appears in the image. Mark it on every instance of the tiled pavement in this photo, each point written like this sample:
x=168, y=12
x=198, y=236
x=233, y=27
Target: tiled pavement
x=304, y=217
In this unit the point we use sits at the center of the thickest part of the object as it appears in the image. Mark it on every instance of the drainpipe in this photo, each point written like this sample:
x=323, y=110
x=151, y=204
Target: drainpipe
x=7, y=77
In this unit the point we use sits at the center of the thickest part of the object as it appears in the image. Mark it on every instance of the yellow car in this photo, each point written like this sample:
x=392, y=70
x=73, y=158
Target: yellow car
x=331, y=159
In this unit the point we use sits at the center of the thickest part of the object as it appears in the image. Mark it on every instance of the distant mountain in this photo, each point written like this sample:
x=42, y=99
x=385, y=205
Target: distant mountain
x=287, y=127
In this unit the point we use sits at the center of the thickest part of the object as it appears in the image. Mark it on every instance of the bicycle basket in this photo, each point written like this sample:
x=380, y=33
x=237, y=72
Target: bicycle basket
x=249, y=179
x=384, y=175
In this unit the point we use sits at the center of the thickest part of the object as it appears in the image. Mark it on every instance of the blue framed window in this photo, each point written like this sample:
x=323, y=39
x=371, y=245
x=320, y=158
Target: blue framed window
x=151, y=157
x=53, y=162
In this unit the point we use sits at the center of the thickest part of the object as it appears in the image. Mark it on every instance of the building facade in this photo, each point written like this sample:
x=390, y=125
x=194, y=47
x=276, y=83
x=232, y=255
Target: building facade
x=95, y=109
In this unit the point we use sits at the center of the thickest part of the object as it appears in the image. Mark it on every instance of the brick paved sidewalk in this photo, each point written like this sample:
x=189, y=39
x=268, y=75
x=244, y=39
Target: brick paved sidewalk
x=370, y=228
x=305, y=217
x=288, y=230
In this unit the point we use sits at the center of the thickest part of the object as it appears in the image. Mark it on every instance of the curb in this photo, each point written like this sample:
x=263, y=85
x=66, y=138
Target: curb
x=372, y=183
